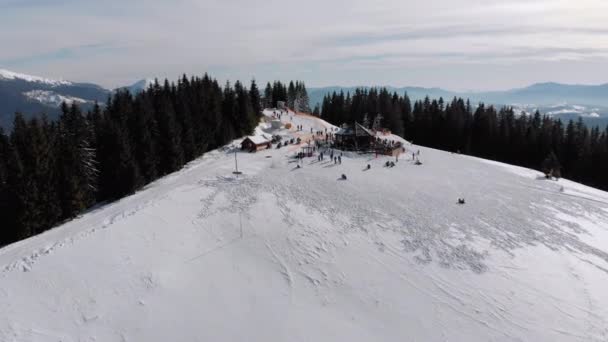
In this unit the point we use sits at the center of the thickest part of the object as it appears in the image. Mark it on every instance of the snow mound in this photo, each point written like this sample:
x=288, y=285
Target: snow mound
x=9, y=75
x=281, y=253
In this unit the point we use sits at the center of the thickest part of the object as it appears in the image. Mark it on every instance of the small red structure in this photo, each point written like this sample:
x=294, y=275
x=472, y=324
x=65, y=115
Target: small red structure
x=307, y=151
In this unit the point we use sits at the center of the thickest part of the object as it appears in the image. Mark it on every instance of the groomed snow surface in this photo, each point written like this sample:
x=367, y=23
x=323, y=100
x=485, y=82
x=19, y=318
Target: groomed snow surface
x=293, y=254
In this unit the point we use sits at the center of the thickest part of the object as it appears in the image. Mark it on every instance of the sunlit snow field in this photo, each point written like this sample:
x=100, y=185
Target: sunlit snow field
x=294, y=254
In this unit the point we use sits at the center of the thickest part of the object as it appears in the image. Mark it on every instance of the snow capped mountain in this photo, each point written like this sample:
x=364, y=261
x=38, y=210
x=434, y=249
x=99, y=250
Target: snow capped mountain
x=282, y=253
x=33, y=95
x=542, y=94
x=9, y=75
x=140, y=85
x=562, y=100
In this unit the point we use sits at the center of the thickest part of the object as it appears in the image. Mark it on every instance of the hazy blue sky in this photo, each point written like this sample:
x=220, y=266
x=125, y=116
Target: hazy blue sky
x=455, y=44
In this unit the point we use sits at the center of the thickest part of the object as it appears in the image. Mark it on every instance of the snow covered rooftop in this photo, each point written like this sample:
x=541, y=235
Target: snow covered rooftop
x=259, y=139
x=356, y=129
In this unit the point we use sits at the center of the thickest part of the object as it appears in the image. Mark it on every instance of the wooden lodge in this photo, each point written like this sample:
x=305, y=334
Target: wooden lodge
x=255, y=143
x=354, y=137
x=358, y=138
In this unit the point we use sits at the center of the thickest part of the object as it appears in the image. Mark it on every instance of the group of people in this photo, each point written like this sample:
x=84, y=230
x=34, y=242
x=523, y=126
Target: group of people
x=277, y=114
x=337, y=159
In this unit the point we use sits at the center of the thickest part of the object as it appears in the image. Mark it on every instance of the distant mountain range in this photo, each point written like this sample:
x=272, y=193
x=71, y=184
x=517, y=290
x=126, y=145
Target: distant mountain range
x=140, y=86
x=540, y=94
x=33, y=95
x=561, y=100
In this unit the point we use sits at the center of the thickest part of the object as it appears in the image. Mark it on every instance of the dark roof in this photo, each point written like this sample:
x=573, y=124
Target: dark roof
x=358, y=130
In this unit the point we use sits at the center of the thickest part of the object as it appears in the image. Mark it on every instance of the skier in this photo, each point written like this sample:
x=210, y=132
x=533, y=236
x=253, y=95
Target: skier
x=340, y=159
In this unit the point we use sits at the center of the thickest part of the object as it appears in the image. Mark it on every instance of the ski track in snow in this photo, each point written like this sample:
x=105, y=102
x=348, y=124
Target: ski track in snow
x=373, y=248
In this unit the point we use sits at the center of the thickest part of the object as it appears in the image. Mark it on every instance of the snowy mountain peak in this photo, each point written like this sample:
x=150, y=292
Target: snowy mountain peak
x=140, y=85
x=10, y=75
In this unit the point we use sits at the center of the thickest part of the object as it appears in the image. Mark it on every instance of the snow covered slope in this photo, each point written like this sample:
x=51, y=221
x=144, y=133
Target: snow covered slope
x=10, y=75
x=51, y=98
x=294, y=254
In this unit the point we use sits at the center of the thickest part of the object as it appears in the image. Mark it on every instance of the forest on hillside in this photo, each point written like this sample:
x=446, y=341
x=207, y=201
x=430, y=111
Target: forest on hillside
x=51, y=171
x=534, y=141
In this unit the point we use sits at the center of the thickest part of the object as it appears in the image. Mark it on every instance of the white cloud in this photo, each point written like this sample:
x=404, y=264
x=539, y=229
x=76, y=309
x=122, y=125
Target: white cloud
x=308, y=39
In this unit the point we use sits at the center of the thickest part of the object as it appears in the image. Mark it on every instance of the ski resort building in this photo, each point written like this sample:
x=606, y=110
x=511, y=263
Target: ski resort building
x=359, y=138
x=354, y=137
x=255, y=143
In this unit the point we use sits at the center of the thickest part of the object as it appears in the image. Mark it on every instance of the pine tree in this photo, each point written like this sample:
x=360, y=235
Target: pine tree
x=144, y=131
x=12, y=209
x=268, y=99
x=256, y=101
x=377, y=126
x=7, y=202
x=78, y=171
x=291, y=95
x=169, y=136
x=366, y=123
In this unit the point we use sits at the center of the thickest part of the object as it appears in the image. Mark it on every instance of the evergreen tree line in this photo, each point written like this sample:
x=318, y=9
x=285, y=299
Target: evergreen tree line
x=294, y=95
x=532, y=141
x=53, y=171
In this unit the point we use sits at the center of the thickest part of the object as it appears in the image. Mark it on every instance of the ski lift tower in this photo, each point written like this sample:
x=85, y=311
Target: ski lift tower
x=236, y=165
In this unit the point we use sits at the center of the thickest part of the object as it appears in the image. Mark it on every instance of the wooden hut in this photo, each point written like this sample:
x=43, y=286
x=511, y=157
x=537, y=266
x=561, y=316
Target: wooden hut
x=255, y=143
